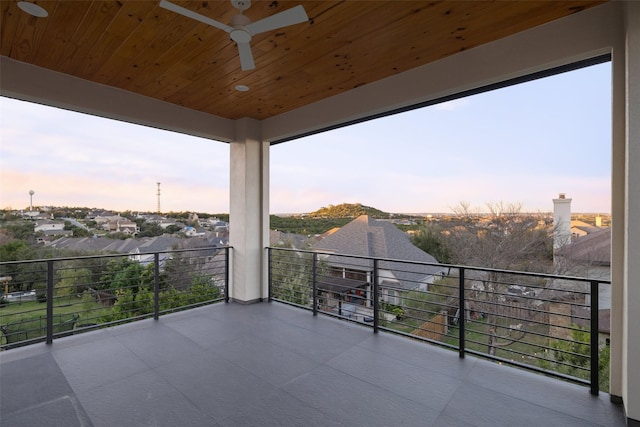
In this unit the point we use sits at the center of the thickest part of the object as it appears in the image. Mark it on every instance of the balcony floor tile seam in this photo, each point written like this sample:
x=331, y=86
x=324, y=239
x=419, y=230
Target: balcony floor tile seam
x=456, y=409
x=41, y=413
x=86, y=397
x=369, y=392
x=317, y=417
x=505, y=371
x=180, y=379
x=270, y=376
x=441, y=380
x=468, y=361
x=336, y=345
x=579, y=392
x=69, y=369
x=340, y=323
x=582, y=400
x=19, y=353
x=136, y=350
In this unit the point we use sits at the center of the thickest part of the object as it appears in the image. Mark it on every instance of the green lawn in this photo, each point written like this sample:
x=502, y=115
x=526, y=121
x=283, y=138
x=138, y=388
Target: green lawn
x=26, y=314
x=526, y=350
x=15, y=311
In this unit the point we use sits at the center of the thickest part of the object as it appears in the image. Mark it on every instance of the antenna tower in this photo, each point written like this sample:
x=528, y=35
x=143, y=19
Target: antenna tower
x=158, y=197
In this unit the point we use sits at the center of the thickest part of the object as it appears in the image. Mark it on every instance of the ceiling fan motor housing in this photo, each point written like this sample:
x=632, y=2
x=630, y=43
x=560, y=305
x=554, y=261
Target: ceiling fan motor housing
x=240, y=33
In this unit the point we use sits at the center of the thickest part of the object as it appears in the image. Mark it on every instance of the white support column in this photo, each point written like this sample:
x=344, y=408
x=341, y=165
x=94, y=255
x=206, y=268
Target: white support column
x=249, y=212
x=618, y=196
x=631, y=346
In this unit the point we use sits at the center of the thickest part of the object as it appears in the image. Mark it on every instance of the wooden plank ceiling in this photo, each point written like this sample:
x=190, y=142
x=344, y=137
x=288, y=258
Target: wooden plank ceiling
x=141, y=47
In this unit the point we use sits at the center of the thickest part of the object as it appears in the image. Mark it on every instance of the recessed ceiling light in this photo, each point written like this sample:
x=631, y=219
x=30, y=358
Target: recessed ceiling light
x=242, y=88
x=33, y=9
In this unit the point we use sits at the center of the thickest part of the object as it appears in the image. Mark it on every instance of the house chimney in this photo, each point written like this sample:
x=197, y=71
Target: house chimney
x=561, y=222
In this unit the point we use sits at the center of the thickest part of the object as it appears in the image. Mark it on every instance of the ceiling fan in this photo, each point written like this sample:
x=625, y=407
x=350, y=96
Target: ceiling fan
x=241, y=28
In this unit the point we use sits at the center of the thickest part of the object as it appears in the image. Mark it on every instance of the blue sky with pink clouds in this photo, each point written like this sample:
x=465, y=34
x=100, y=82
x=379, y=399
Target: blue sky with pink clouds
x=522, y=144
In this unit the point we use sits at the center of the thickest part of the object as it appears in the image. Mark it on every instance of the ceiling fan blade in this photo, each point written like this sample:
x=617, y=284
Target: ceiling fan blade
x=246, y=57
x=295, y=15
x=193, y=15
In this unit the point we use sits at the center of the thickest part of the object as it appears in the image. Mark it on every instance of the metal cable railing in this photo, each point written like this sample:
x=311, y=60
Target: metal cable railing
x=541, y=322
x=60, y=296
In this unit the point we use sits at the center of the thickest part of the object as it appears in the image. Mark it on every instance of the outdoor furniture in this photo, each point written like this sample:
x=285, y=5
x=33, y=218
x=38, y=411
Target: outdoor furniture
x=29, y=329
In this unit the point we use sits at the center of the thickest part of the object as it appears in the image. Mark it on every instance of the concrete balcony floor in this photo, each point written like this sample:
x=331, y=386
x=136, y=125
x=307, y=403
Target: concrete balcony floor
x=269, y=364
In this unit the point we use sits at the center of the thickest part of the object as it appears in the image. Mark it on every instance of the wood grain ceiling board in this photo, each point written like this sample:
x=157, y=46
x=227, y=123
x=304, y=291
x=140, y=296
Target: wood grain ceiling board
x=139, y=47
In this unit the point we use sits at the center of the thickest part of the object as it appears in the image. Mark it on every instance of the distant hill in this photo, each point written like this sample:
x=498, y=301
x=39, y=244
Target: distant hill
x=347, y=210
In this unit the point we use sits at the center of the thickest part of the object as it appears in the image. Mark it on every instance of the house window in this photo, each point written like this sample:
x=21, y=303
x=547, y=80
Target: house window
x=392, y=297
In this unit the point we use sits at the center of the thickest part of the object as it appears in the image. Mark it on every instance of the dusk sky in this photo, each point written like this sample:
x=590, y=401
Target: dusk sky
x=523, y=144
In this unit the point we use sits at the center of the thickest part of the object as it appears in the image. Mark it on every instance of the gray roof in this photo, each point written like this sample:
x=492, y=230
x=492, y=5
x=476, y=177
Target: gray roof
x=102, y=244
x=368, y=237
x=279, y=237
x=593, y=249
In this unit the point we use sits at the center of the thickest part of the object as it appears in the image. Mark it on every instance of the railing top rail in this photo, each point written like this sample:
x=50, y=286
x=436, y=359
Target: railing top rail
x=465, y=267
x=112, y=255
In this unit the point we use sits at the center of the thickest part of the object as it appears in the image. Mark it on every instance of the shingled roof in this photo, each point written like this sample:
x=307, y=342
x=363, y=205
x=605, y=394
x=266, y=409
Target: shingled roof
x=371, y=238
x=594, y=248
x=101, y=244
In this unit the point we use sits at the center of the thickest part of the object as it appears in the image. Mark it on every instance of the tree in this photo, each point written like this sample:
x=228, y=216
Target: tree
x=175, y=274
x=575, y=352
x=77, y=231
x=429, y=238
x=70, y=282
x=572, y=357
x=149, y=229
x=16, y=250
x=463, y=210
x=24, y=275
x=21, y=230
x=122, y=273
x=173, y=229
x=292, y=275
x=347, y=210
x=506, y=239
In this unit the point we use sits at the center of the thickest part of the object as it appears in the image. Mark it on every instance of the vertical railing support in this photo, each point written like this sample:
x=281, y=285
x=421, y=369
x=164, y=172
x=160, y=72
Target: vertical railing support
x=595, y=386
x=269, y=273
x=376, y=298
x=156, y=286
x=461, y=317
x=226, y=274
x=50, y=274
x=314, y=283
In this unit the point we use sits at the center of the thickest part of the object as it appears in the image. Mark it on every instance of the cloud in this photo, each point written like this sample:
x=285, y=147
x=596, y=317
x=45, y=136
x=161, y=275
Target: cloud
x=72, y=159
x=72, y=190
x=513, y=145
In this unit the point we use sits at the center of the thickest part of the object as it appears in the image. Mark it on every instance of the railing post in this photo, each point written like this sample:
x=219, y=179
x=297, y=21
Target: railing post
x=314, y=285
x=226, y=274
x=50, y=274
x=269, y=263
x=376, y=302
x=595, y=386
x=156, y=286
x=461, y=317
